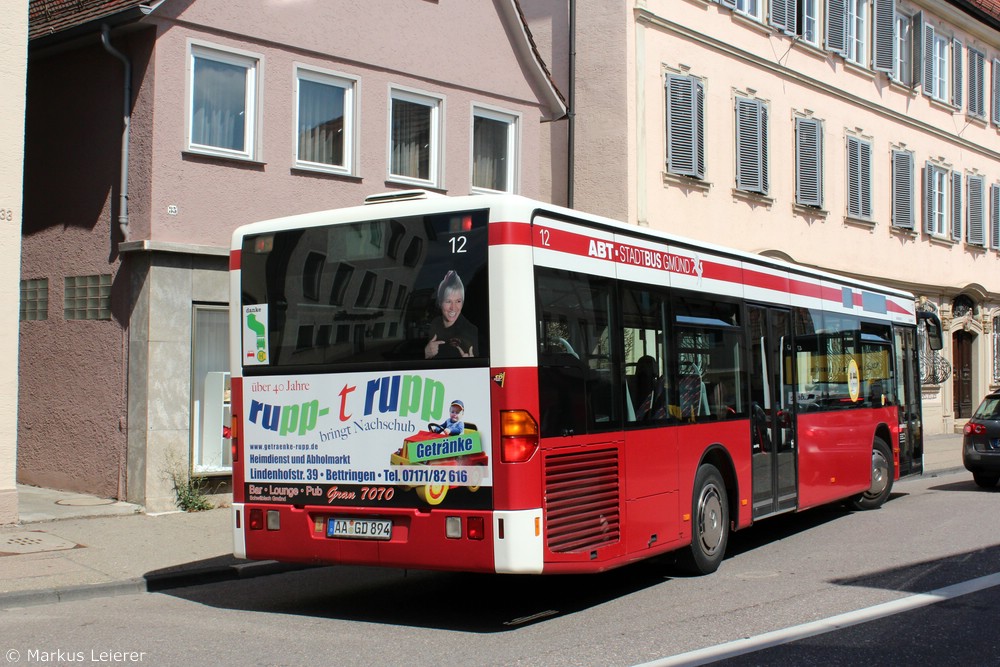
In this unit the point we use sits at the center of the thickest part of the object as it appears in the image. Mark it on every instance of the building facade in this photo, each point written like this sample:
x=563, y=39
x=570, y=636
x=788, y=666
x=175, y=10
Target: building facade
x=13, y=73
x=156, y=128
x=858, y=136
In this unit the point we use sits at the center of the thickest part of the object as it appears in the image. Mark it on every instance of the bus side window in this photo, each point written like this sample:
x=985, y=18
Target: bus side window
x=577, y=376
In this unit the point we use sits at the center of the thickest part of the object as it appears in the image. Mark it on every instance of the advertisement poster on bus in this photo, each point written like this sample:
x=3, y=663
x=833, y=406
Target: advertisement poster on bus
x=396, y=439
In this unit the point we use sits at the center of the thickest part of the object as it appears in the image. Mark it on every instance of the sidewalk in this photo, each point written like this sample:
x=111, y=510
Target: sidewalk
x=70, y=546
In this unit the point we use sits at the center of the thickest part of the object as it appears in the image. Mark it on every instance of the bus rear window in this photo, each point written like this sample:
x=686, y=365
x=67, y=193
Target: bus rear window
x=396, y=291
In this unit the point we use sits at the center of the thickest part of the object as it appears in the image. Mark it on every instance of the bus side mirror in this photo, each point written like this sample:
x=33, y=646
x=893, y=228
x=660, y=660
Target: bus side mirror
x=933, y=329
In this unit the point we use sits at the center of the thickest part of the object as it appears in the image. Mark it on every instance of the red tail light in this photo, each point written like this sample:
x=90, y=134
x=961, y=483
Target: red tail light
x=974, y=429
x=518, y=436
x=476, y=528
x=256, y=519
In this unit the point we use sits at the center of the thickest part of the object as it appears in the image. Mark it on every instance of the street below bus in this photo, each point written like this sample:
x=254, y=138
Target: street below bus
x=827, y=586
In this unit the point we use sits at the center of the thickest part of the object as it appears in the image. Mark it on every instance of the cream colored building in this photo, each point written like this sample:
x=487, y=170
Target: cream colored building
x=859, y=136
x=13, y=73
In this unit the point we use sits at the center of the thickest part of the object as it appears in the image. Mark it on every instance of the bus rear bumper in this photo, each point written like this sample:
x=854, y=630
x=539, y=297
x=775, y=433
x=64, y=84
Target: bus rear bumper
x=518, y=545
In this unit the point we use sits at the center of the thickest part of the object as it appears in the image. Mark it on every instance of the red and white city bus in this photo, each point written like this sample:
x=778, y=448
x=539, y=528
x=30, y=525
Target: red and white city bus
x=495, y=384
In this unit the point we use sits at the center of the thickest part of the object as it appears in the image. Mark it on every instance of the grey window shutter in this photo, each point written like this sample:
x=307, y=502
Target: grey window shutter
x=784, y=15
x=995, y=216
x=956, y=206
x=685, y=134
x=995, y=93
x=976, y=234
x=836, y=26
x=764, y=177
x=928, y=73
x=917, y=44
x=957, y=73
x=859, y=196
x=885, y=35
x=902, y=189
x=750, y=148
x=929, y=198
x=729, y=3
x=865, y=178
x=809, y=162
x=977, y=103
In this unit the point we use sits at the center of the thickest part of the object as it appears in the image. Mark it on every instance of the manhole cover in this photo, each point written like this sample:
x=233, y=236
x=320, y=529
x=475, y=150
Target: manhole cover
x=32, y=541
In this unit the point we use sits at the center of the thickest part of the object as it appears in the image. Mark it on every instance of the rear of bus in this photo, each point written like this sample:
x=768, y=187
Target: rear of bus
x=367, y=424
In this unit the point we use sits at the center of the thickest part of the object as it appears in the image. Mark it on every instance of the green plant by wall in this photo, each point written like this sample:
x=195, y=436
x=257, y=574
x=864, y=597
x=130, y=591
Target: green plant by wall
x=191, y=493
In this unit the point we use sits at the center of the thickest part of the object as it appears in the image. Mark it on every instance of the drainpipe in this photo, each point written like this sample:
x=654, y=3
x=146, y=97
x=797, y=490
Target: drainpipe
x=571, y=108
x=127, y=115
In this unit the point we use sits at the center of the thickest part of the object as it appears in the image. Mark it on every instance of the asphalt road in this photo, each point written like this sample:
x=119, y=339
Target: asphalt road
x=780, y=577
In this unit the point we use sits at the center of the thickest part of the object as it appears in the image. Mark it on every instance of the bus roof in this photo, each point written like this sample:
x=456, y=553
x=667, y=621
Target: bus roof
x=508, y=207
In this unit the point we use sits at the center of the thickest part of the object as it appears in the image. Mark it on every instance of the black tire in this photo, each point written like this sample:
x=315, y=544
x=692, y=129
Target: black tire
x=883, y=472
x=986, y=480
x=709, y=522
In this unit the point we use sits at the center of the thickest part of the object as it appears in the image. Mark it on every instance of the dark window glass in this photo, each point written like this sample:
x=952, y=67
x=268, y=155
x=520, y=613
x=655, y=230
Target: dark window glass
x=431, y=308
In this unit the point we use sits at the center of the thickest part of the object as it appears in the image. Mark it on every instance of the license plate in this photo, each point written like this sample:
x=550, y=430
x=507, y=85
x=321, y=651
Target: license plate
x=994, y=443
x=364, y=529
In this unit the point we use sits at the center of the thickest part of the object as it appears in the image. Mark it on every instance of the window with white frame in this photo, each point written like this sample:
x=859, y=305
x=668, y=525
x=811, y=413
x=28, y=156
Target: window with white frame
x=414, y=138
x=751, y=145
x=324, y=121
x=977, y=84
x=809, y=162
x=902, y=63
x=807, y=21
x=976, y=215
x=750, y=8
x=223, y=102
x=936, y=199
x=685, y=101
x=942, y=202
x=859, y=178
x=902, y=189
x=857, y=32
x=494, y=150
x=942, y=67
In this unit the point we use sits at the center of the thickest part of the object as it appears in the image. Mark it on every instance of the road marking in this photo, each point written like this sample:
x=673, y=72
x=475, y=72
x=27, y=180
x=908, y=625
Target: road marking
x=822, y=626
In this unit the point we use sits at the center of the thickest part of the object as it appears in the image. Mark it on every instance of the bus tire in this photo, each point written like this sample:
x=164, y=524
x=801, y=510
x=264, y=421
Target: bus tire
x=882, y=475
x=709, y=522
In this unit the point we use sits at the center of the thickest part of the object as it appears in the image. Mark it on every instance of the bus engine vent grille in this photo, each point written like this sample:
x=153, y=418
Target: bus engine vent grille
x=582, y=500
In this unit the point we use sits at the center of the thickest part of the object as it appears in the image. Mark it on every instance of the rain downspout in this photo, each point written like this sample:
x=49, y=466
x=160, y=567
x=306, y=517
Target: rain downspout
x=127, y=115
x=571, y=108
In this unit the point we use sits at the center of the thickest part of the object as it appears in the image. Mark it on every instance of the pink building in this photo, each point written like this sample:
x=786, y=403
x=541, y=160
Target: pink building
x=858, y=136
x=155, y=128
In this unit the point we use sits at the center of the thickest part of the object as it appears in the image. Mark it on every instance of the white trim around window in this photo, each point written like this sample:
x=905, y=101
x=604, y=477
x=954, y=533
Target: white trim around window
x=222, y=101
x=326, y=121
x=494, y=150
x=415, y=140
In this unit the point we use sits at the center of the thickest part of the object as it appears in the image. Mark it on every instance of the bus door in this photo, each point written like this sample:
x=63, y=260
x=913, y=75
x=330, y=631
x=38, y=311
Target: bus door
x=911, y=442
x=772, y=411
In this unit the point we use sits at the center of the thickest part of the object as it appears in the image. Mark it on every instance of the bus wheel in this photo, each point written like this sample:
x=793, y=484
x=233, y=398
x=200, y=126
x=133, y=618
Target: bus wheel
x=709, y=522
x=882, y=474
x=432, y=494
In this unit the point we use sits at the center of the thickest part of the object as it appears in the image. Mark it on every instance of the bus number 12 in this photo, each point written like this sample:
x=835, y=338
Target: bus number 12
x=457, y=244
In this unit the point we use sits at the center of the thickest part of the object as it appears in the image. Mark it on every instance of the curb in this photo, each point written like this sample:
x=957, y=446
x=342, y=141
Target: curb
x=154, y=583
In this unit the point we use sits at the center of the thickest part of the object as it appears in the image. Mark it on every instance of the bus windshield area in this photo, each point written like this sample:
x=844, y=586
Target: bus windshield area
x=410, y=291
